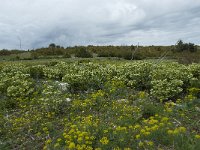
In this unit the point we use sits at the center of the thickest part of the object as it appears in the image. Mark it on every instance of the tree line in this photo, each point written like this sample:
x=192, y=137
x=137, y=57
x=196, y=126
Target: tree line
x=181, y=46
x=125, y=52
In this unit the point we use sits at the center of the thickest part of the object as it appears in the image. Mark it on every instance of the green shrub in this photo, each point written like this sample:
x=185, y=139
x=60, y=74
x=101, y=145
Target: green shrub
x=83, y=53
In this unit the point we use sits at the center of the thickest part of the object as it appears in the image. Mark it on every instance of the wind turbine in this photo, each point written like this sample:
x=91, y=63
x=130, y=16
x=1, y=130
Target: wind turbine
x=20, y=42
x=134, y=50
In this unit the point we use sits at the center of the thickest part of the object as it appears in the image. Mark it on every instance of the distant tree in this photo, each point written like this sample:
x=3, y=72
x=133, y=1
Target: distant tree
x=132, y=51
x=52, y=45
x=58, y=46
x=4, y=52
x=180, y=46
x=192, y=47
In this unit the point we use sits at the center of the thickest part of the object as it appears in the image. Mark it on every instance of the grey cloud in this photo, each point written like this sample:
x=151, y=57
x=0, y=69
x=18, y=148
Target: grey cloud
x=76, y=22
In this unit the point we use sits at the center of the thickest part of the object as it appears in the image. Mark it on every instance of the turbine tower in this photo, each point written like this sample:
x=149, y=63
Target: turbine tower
x=20, y=42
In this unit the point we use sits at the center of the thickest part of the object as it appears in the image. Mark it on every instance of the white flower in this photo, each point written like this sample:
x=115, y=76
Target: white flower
x=68, y=99
x=122, y=100
x=63, y=86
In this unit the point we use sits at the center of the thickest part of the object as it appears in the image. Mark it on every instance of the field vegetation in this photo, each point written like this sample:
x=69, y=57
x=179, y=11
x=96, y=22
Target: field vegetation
x=90, y=104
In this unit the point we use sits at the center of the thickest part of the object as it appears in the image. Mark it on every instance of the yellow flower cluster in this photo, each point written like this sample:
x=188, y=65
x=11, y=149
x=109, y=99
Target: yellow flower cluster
x=75, y=138
x=177, y=131
x=169, y=106
x=146, y=144
x=119, y=128
x=190, y=97
x=197, y=136
x=153, y=124
x=104, y=141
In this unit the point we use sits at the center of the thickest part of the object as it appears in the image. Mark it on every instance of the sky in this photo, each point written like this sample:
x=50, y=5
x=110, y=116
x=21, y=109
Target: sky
x=37, y=23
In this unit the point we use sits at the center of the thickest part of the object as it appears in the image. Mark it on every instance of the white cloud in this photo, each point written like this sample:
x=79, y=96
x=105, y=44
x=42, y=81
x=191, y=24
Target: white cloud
x=77, y=22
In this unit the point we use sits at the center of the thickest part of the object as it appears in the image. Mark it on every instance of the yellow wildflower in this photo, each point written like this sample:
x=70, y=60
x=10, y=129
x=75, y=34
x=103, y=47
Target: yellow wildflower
x=80, y=139
x=155, y=127
x=56, y=145
x=137, y=136
x=141, y=144
x=170, y=132
x=146, y=133
x=176, y=131
x=142, y=131
x=104, y=141
x=150, y=143
x=182, y=129
x=137, y=126
x=45, y=147
x=164, y=119
x=197, y=136
x=87, y=138
x=105, y=131
x=71, y=131
x=72, y=145
x=161, y=124
x=48, y=141
x=153, y=121
x=59, y=139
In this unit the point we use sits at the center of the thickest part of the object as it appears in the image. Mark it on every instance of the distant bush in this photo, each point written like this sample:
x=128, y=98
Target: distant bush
x=67, y=55
x=181, y=46
x=5, y=52
x=120, y=52
x=83, y=53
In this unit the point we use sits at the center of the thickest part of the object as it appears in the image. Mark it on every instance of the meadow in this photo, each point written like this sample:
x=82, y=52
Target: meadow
x=90, y=104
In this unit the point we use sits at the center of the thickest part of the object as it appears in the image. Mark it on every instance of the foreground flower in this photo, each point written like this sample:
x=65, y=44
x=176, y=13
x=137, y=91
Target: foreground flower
x=197, y=136
x=104, y=141
x=72, y=145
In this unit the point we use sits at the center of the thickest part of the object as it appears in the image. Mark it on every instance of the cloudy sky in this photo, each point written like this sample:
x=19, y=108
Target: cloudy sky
x=98, y=22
